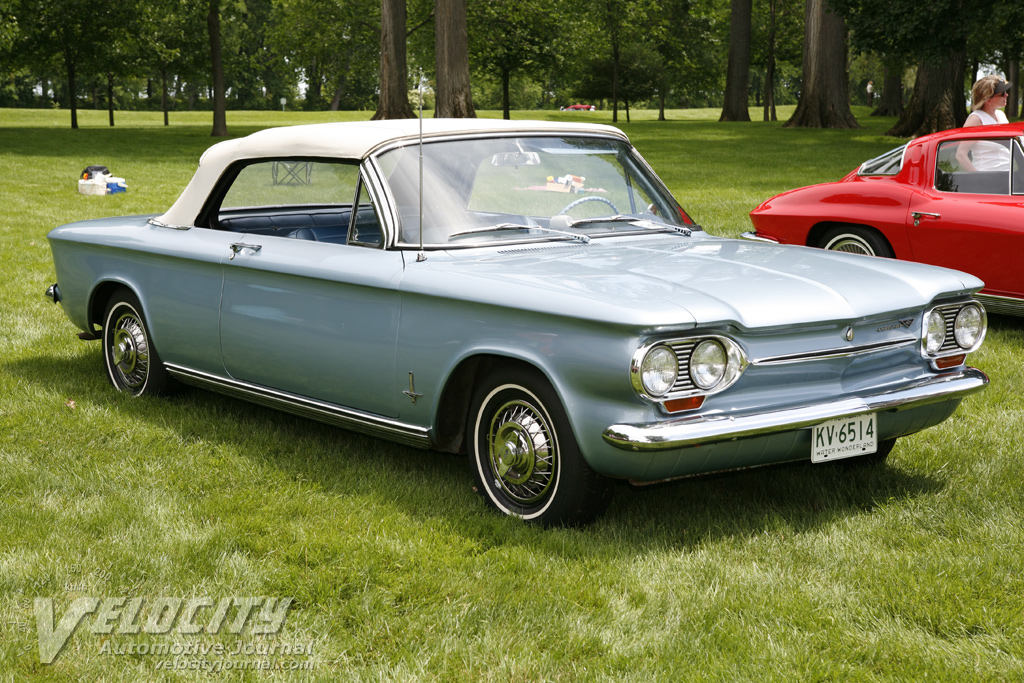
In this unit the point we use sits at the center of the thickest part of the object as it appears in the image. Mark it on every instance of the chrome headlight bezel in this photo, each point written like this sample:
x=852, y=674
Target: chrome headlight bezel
x=970, y=316
x=659, y=370
x=708, y=364
x=933, y=333
x=953, y=329
x=683, y=348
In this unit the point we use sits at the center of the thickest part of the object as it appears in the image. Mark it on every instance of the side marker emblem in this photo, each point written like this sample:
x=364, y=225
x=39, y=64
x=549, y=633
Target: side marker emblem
x=412, y=391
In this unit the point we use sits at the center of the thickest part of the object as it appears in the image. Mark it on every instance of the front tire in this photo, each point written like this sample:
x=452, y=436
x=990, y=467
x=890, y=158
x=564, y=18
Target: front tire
x=133, y=365
x=526, y=462
x=856, y=240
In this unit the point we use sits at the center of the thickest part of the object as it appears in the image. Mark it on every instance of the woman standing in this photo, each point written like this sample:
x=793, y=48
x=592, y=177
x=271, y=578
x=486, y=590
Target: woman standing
x=988, y=95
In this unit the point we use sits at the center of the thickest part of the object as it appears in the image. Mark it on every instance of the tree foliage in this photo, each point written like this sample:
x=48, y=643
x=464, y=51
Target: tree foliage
x=933, y=35
x=348, y=54
x=512, y=37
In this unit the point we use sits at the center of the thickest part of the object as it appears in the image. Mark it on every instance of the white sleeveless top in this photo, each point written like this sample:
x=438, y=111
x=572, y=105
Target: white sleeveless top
x=989, y=120
x=990, y=156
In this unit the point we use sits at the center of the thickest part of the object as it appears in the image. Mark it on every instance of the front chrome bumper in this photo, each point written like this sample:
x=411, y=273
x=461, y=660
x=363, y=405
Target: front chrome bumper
x=705, y=429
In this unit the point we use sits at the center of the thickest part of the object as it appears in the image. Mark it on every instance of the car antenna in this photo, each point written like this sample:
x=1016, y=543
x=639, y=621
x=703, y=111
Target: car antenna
x=422, y=256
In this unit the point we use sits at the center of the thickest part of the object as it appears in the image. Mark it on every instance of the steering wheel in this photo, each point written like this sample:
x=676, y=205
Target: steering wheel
x=589, y=198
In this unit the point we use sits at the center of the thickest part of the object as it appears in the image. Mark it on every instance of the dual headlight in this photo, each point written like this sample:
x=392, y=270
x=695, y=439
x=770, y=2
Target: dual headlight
x=687, y=366
x=953, y=329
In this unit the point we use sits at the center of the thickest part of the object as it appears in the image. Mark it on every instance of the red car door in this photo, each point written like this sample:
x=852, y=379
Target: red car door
x=972, y=221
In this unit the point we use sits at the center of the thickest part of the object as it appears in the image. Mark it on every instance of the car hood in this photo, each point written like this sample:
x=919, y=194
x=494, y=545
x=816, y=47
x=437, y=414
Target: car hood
x=657, y=281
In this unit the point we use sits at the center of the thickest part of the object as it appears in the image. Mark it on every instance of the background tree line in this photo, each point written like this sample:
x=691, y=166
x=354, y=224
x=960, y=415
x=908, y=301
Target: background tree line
x=517, y=54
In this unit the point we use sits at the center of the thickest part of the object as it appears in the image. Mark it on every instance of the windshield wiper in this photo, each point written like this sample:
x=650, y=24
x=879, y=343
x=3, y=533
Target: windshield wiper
x=519, y=226
x=644, y=223
x=648, y=224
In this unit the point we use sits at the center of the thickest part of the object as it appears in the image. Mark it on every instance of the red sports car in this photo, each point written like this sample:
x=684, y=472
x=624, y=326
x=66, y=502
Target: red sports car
x=954, y=199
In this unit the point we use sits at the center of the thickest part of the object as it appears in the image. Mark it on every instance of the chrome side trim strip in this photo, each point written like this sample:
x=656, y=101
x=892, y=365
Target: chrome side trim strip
x=841, y=352
x=1004, y=305
x=706, y=429
x=353, y=420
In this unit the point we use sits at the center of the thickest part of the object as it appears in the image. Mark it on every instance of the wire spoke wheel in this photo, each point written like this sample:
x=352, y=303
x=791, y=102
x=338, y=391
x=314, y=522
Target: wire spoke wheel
x=526, y=460
x=522, y=452
x=133, y=365
x=130, y=351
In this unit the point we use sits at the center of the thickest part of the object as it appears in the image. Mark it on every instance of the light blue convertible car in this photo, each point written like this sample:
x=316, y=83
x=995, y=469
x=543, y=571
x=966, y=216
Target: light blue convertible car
x=526, y=292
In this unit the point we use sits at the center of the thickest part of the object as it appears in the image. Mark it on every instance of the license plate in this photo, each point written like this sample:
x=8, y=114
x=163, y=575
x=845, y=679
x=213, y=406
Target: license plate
x=843, y=438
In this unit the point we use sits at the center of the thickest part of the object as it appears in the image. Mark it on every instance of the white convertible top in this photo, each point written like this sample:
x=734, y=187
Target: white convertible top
x=348, y=140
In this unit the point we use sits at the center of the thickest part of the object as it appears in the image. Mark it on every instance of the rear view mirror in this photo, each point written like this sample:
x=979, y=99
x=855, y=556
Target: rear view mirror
x=516, y=159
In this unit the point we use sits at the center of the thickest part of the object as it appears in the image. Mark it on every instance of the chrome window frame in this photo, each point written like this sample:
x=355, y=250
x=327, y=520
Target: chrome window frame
x=903, y=159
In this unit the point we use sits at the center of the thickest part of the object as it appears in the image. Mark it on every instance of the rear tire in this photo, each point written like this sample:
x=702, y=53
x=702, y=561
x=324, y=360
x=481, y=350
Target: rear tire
x=856, y=240
x=526, y=462
x=133, y=365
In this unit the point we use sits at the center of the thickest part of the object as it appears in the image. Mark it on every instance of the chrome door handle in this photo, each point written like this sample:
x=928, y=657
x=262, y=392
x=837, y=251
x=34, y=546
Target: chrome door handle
x=239, y=246
x=917, y=215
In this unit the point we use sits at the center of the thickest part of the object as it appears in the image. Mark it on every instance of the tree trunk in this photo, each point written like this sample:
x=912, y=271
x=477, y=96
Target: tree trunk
x=454, y=97
x=220, y=116
x=506, y=76
x=661, y=104
x=1013, y=75
x=394, y=91
x=890, y=102
x=615, y=78
x=163, y=95
x=825, y=95
x=737, y=77
x=314, y=85
x=937, y=102
x=770, y=114
x=71, y=95
x=336, y=100
x=110, y=98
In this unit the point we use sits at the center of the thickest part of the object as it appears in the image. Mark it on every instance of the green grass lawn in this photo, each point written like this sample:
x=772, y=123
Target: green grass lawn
x=909, y=572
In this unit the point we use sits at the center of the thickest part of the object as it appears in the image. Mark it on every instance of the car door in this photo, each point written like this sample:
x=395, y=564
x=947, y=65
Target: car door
x=310, y=304
x=973, y=218
x=179, y=280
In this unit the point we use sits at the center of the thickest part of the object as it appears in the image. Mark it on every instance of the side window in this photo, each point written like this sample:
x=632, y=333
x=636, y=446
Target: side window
x=975, y=167
x=292, y=183
x=297, y=199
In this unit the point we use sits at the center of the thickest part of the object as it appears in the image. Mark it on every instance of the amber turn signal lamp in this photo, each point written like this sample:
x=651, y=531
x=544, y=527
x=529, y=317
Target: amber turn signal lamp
x=678, y=405
x=950, y=361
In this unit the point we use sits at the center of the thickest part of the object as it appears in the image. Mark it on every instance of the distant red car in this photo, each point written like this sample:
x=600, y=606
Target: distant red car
x=954, y=199
x=579, y=107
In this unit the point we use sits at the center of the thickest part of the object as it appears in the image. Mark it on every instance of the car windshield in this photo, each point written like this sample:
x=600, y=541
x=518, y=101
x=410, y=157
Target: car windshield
x=889, y=163
x=485, y=190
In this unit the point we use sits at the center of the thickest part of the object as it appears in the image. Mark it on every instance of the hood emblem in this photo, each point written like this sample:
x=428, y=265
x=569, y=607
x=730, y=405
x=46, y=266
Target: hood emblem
x=848, y=335
x=905, y=323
